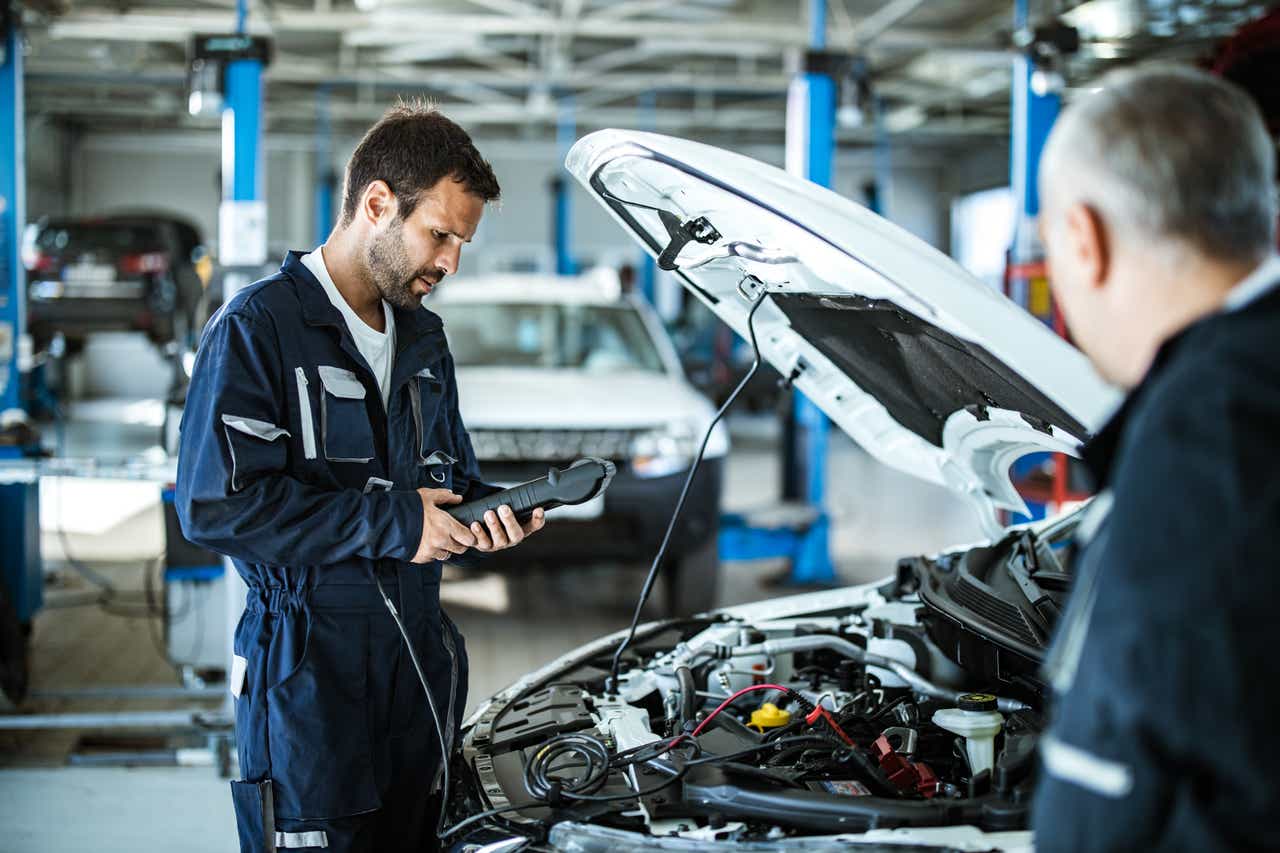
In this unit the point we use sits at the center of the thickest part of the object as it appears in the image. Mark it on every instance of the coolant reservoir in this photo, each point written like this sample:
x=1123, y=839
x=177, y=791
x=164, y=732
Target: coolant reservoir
x=978, y=722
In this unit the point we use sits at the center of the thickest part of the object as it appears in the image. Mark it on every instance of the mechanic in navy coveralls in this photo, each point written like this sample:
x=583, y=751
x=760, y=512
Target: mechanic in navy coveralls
x=1159, y=222
x=320, y=440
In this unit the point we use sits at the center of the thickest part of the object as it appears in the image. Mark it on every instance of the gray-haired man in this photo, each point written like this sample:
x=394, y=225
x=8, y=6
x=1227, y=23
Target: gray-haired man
x=1159, y=224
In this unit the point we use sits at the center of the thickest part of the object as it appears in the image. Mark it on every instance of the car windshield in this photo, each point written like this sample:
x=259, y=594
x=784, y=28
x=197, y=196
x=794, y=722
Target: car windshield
x=594, y=338
x=106, y=239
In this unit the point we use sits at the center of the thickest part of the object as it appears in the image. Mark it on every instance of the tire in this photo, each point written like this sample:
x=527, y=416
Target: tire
x=14, y=669
x=693, y=581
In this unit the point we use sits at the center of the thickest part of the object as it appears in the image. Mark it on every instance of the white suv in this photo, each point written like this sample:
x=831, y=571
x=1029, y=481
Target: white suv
x=551, y=369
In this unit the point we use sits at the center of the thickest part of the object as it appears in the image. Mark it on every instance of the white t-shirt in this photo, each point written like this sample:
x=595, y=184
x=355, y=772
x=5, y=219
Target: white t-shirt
x=378, y=348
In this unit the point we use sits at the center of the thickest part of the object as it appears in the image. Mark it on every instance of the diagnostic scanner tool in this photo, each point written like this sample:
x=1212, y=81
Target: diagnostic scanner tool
x=577, y=484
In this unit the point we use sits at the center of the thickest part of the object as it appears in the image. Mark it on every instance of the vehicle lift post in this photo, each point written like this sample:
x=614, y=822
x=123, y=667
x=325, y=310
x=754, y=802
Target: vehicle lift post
x=326, y=178
x=21, y=574
x=562, y=192
x=811, y=142
x=1033, y=114
x=648, y=268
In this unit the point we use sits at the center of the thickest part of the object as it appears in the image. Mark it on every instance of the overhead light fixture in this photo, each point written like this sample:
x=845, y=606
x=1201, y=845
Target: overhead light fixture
x=905, y=118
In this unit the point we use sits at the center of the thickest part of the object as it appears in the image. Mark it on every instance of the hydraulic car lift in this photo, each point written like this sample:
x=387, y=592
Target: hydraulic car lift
x=801, y=534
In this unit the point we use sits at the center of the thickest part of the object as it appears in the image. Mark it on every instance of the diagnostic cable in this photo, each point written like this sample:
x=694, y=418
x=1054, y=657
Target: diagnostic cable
x=647, y=589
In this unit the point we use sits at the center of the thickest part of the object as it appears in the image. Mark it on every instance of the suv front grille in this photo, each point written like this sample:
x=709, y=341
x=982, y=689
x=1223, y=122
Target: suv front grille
x=551, y=445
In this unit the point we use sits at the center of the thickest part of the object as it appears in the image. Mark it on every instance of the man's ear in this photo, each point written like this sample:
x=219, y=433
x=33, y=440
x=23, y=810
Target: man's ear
x=378, y=202
x=1089, y=242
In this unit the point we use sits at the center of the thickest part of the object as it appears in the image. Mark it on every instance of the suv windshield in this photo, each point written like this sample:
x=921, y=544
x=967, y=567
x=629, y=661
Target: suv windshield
x=595, y=338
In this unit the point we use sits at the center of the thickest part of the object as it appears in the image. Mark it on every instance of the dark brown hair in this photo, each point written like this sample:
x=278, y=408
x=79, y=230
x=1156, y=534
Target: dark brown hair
x=412, y=147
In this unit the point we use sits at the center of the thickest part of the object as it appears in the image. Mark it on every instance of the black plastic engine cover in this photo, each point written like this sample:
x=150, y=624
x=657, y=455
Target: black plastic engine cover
x=554, y=710
x=990, y=609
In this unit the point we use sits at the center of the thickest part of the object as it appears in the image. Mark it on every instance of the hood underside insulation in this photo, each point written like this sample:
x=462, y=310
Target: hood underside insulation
x=920, y=373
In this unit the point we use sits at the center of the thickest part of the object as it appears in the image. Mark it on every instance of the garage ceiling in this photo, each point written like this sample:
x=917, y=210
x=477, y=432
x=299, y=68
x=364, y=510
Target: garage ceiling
x=714, y=69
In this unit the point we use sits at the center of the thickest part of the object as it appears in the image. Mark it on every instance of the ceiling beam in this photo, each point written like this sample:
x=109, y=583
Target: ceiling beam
x=98, y=23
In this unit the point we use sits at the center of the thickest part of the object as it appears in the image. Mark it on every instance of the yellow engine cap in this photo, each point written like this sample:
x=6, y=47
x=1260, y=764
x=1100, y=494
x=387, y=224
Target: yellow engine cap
x=769, y=716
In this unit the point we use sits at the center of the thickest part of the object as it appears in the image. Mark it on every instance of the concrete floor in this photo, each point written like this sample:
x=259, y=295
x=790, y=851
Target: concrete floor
x=511, y=625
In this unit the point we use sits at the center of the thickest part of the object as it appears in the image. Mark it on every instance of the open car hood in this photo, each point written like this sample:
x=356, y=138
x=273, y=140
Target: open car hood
x=926, y=367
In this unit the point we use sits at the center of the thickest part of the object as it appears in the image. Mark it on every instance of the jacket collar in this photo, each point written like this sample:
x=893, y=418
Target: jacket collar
x=419, y=332
x=1259, y=288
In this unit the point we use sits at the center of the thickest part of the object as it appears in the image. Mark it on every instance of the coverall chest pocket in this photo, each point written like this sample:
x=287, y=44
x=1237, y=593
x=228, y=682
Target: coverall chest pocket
x=345, y=430
x=433, y=457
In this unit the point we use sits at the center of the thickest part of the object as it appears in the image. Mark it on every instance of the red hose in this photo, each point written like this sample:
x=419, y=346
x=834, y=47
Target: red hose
x=725, y=704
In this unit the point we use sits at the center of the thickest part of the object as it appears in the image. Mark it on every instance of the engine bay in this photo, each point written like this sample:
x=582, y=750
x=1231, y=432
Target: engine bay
x=869, y=708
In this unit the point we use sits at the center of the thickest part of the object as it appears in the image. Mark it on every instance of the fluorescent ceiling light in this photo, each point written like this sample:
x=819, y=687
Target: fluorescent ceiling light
x=902, y=119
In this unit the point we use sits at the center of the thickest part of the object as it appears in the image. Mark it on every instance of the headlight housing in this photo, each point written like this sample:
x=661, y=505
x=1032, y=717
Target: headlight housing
x=664, y=451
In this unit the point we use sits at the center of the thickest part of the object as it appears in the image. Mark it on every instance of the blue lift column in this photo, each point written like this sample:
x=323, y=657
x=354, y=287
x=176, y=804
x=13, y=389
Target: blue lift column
x=326, y=180
x=1032, y=117
x=811, y=116
x=561, y=192
x=20, y=570
x=242, y=217
x=648, y=277
x=13, y=214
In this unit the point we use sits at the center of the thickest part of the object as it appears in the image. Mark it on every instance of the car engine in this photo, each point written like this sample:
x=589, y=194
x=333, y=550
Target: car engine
x=817, y=715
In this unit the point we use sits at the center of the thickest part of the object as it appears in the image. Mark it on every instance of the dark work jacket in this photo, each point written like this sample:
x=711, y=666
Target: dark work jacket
x=290, y=464
x=1165, y=732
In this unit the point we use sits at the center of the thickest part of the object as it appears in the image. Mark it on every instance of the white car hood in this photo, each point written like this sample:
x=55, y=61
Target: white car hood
x=929, y=369
x=534, y=398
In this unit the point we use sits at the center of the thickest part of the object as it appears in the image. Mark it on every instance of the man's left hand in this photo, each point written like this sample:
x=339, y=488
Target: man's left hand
x=504, y=530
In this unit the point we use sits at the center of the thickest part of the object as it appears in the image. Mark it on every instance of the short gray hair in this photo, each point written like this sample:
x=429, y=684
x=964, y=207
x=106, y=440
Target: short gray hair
x=1169, y=152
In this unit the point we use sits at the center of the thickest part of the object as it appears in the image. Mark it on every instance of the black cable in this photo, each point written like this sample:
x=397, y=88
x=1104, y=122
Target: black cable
x=540, y=785
x=647, y=589
x=761, y=747
x=431, y=702
x=481, y=816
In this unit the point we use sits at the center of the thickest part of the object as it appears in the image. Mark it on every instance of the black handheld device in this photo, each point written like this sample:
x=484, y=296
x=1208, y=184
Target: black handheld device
x=577, y=484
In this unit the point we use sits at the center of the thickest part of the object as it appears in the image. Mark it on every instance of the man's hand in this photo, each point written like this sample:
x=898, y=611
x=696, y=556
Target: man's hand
x=504, y=530
x=442, y=535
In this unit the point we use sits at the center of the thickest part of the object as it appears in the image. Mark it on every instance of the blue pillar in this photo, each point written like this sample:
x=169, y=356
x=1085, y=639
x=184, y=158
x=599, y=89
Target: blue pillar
x=883, y=159
x=243, y=100
x=562, y=200
x=326, y=181
x=13, y=215
x=809, y=451
x=1033, y=116
x=648, y=268
x=20, y=570
x=242, y=218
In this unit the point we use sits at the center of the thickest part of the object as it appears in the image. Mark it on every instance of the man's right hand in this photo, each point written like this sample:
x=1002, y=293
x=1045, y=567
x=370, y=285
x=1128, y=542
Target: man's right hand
x=442, y=536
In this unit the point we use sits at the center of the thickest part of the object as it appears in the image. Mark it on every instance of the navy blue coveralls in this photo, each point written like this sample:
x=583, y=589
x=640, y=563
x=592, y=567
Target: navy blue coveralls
x=1166, y=726
x=290, y=464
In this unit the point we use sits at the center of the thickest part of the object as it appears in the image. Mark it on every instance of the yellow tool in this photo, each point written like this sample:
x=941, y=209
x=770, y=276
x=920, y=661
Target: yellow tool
x=769, y=716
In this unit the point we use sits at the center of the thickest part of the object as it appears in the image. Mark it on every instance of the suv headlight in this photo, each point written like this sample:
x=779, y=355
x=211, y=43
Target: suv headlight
x=664, y=451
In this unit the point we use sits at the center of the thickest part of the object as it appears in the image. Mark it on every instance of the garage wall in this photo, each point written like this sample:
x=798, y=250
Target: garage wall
x=180, y=172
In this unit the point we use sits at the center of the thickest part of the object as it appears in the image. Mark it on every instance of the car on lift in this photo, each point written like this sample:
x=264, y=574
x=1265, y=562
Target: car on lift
x=552, y=369
x=901, y=714
x=137, y=272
